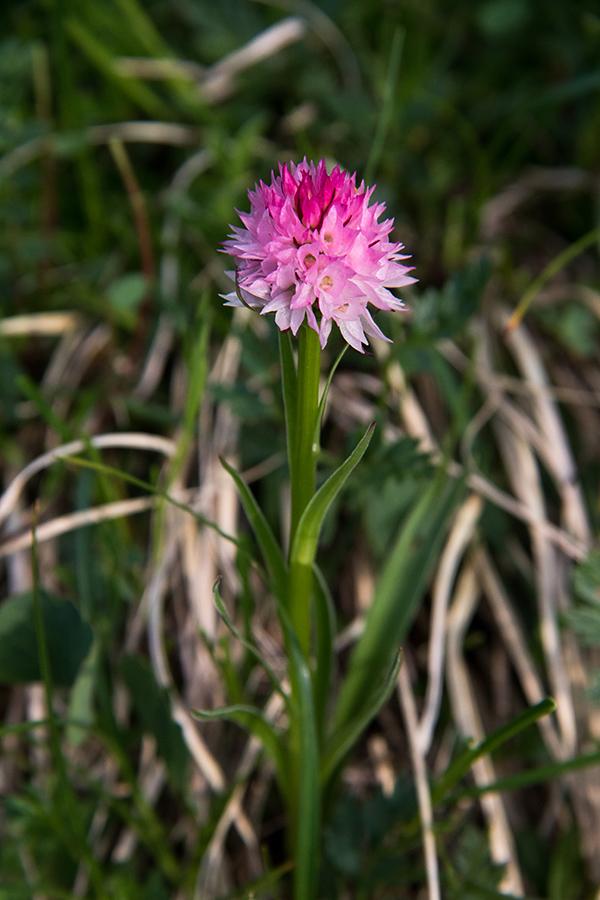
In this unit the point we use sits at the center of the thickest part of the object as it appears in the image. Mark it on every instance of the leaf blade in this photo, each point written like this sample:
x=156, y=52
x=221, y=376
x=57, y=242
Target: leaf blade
x=271, y=552
x=388, y=620
x=253, y=721
x=309, y=526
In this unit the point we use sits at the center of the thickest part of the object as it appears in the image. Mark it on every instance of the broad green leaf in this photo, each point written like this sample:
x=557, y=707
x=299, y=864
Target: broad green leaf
x=68, y=639
x=263, y=533
x=307, y=535
x=398, y=595
x=252, y=720
x=345, y=736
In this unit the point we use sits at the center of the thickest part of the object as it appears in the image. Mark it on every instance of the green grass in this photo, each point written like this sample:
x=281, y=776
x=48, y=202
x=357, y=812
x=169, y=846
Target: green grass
x=480, y=124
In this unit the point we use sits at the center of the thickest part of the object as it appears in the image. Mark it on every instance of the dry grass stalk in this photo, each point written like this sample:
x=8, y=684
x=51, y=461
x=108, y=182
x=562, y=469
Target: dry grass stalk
x=451, y=558
x=468, y=720
x=419, y=767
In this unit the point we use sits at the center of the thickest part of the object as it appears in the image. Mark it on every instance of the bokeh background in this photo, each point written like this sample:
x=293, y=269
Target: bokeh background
x=129, y=133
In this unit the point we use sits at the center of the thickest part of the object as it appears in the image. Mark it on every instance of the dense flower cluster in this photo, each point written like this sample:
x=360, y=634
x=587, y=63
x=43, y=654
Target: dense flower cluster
x=312, y=247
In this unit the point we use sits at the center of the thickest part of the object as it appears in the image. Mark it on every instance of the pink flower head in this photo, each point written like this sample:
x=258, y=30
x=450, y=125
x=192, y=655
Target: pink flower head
x=312, y=248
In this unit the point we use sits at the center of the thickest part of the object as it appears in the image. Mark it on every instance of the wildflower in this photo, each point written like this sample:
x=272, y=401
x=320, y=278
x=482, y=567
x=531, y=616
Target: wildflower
x=312, y=249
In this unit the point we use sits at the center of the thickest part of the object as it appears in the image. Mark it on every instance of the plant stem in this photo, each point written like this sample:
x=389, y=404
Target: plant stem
x=303, y=457
x=303, y=468
x=301, y=393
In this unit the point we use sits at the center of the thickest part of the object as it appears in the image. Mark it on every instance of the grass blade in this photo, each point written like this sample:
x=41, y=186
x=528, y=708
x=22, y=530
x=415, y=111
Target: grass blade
x=325, y=627
x=345, y=736
x=538, y=775
x=252, y=720
x=398, y=595
x=461, y=766
x=323, y=400
x=263, y=533
x=245, y=643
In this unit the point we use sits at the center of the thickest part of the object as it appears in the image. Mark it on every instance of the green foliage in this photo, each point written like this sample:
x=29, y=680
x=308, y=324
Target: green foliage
x=390, y=482
x=152, y=707
x=445, y=312
x=125, y=295
x=586, y=579
x=585, y=618
x=454, y=110
x=565, y=876
x=398, y=595
x=366, y=842
x=68, y=639
x=473, y=875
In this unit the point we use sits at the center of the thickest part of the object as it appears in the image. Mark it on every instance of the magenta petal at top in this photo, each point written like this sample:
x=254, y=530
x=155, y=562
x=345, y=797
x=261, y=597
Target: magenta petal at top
x=312, y=249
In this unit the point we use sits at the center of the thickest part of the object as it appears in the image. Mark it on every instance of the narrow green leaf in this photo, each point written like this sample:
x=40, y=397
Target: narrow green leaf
x=152, y=489
x=263, y=533
x=345, y=736
x=323, y=400
x=533, y=776
x=388, y=104
x=140, y=24
x=136, y=90
x=554, y=266
x=325, y=627
x=198, y=368
x=36, y=396
x=252, y=720
x=307, y=535
x=398, y=595
x=460, y=766
x=81, y=700
x=258, y=887
x=245, y=643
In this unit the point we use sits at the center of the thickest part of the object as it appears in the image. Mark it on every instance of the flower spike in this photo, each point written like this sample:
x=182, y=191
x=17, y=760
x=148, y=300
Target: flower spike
x=312, y=248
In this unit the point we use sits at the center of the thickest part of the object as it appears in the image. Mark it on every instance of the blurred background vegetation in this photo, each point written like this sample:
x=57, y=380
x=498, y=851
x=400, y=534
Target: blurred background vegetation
x=129, y=134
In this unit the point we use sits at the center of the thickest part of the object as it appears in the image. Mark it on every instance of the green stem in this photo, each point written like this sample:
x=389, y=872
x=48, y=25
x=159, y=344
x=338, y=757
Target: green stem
x=303, y=455
x=299, y=594
x=304, y=440
x=301, y=393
